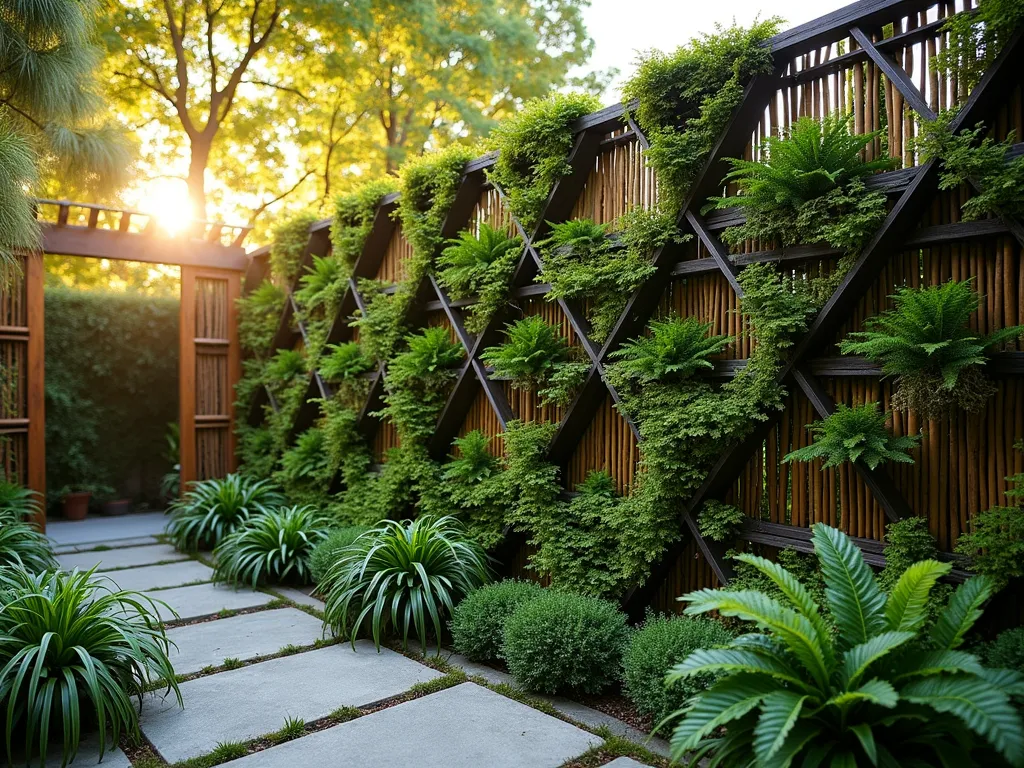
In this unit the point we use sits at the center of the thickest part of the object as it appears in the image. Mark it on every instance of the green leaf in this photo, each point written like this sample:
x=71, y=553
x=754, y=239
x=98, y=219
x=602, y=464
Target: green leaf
x=779, y=711
x=727, y=700
x=867, y=740
x=875, y=691
x=856, y=601
x=936, y=662
x=859, y=659
x=963, y=609
x=728, y=660
x=907, y=607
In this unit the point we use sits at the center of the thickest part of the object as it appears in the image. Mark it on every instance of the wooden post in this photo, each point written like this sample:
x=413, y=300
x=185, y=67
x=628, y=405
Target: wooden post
x=35, y=400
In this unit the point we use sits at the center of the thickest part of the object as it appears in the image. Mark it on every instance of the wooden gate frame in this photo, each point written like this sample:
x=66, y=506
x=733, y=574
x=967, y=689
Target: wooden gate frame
x=210, y=251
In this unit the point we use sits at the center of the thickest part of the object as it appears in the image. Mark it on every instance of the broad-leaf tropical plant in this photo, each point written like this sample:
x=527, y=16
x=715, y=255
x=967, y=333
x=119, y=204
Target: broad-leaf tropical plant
x=884, y=690
x=211, y=509
x=23, y=546
x=74, y=653
x=405, y=577
x=273, y=547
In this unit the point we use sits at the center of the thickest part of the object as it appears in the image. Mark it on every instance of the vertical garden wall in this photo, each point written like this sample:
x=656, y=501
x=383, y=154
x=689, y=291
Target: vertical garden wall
x=644, y=309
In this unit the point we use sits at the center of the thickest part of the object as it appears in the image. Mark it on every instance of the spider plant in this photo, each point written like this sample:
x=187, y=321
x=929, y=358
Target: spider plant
x=211, y=509
x=402, y=575
x=17, y=502
x=23, y=546
x=73, y=656
x=273, y=547
x=885, y=690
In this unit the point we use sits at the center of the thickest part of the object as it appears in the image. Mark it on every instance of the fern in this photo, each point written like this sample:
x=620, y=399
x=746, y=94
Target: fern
x=676, y=349
x=323, y=285
x=258, y=315
x=286, y=366
x=344, y=361
x=532, y=351
x=855, y=434
x=925, y=342
x=479, y=265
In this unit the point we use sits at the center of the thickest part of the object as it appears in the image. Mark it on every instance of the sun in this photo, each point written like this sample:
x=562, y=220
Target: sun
x=167, y=201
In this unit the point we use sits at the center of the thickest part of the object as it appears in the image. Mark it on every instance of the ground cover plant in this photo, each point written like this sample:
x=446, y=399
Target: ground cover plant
x=882, y=690
x=404, y=578
x=272, y=547
x=211, y=509
x=75, y=657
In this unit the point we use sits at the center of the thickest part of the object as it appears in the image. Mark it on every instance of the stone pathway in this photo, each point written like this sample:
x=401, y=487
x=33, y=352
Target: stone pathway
x=254, y=671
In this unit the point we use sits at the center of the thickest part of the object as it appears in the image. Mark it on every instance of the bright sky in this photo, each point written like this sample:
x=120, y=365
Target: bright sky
x=620, y=29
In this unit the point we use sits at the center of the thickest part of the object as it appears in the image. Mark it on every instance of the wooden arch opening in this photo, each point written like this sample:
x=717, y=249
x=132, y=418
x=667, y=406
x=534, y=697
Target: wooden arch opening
x=212, y=263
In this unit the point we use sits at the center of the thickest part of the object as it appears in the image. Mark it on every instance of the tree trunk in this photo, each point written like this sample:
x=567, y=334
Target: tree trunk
x=198, y=160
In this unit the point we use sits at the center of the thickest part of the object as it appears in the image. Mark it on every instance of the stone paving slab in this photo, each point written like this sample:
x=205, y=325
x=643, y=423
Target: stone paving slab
x=300, y=597
x=490, y=674
x=152, y=577
x=89, y=755
x=594, y=718
x=130, y=557
x=241, y=637
x=244, y=703
x=142, y=541
x=202, y=600
x=462, y=727
x=105, y=530
x=625, y=762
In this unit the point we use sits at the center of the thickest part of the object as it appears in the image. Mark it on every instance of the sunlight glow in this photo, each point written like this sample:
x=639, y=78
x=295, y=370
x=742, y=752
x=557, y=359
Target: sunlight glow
x=167, y=201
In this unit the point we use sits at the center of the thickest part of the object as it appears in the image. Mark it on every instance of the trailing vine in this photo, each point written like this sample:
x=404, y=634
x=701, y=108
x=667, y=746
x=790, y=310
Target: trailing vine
x=533, y=146
x=353, y=219
x=975, y=39
x=258, y=316
x=382, y=323
x=685, y=99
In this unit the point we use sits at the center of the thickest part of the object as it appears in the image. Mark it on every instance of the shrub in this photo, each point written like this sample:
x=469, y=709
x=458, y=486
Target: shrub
x=926, y=343
x=211, y=509
x=403, y=576
x=855, y=434
x=73, y=655
x=879, y=691
x=564, y=642
x=1006, y=651
x=272, y=547
x=661, y=643
x=328, y=551
x=995, y=543
x=478, y=622
x=17, y=502
x=22, y=545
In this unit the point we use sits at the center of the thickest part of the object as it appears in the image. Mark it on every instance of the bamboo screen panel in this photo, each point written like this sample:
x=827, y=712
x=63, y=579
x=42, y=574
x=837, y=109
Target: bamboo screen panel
x=392, y=266
x=14, y=349
x=608, y=445
x=620, y=180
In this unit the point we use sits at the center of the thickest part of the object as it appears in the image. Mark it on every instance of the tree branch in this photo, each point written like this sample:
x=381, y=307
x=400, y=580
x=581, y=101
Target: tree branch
x=278, y=87
x=257, y=211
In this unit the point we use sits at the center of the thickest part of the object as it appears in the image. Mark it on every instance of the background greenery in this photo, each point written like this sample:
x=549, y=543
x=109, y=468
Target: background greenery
x=111, y=389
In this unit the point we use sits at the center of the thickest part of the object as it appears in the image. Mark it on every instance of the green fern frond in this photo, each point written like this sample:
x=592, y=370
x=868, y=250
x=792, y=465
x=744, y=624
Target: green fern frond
x=676, y=349
x=855, y=434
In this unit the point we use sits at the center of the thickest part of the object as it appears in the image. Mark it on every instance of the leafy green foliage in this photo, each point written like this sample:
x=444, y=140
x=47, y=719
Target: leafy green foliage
x=880, y=690
x=418, y=380
x=972, y=155
x=353, y=218
x=322, y=286
x=258, y=316
x=305, y=466
x=533, y=145
x=478, y=622
x=676, y=349
x=74, y=653
x=290, y=239
x=561, y=642
x=720, y=521
x=580, y=262
x=482, y=267
x=995, y=543
x=907, y=542
x=403, y=577
x=211, y=509
x=808, y=189
x=285, y=366
x=273, y=547
x=659, y=644
x=1006, y=651
x=111, y=360
x=344, y=361
x=23, y=546
x=532, y=351
x=975, y=39
x=686, y=98
x=256, y=451
x=17, y=502
x=328, y=550
x=564, y=382
x=855, y=434
x=926, y=343
x=382, y=325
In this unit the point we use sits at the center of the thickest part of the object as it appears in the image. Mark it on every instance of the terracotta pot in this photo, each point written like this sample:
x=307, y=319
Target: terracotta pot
x=76, y=505
x=117, y=507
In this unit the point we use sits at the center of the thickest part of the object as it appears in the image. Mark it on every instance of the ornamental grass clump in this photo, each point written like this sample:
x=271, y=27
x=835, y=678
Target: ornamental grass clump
x=926, y=342
x=403, y=578
x=211, y=509
x=75, y=657
x=478, y=622
x=17, y=502
x=563, y=642
x=855, y=434
x=659, y=644
x=23, y=546
x=880, y=690
x=272, y=548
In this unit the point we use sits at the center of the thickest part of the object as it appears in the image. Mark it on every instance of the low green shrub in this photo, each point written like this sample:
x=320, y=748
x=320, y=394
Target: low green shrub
x=211, y=509
x=478, y=622
x=23, y=546
x=562, y=642
x=73, y=657
x=662, y=642
x=272, y=547
x=403, y=577
x=327, y=552
x=1006, y=651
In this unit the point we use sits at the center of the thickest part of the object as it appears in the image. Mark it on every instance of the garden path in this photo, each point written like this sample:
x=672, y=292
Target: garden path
x=256, y=660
